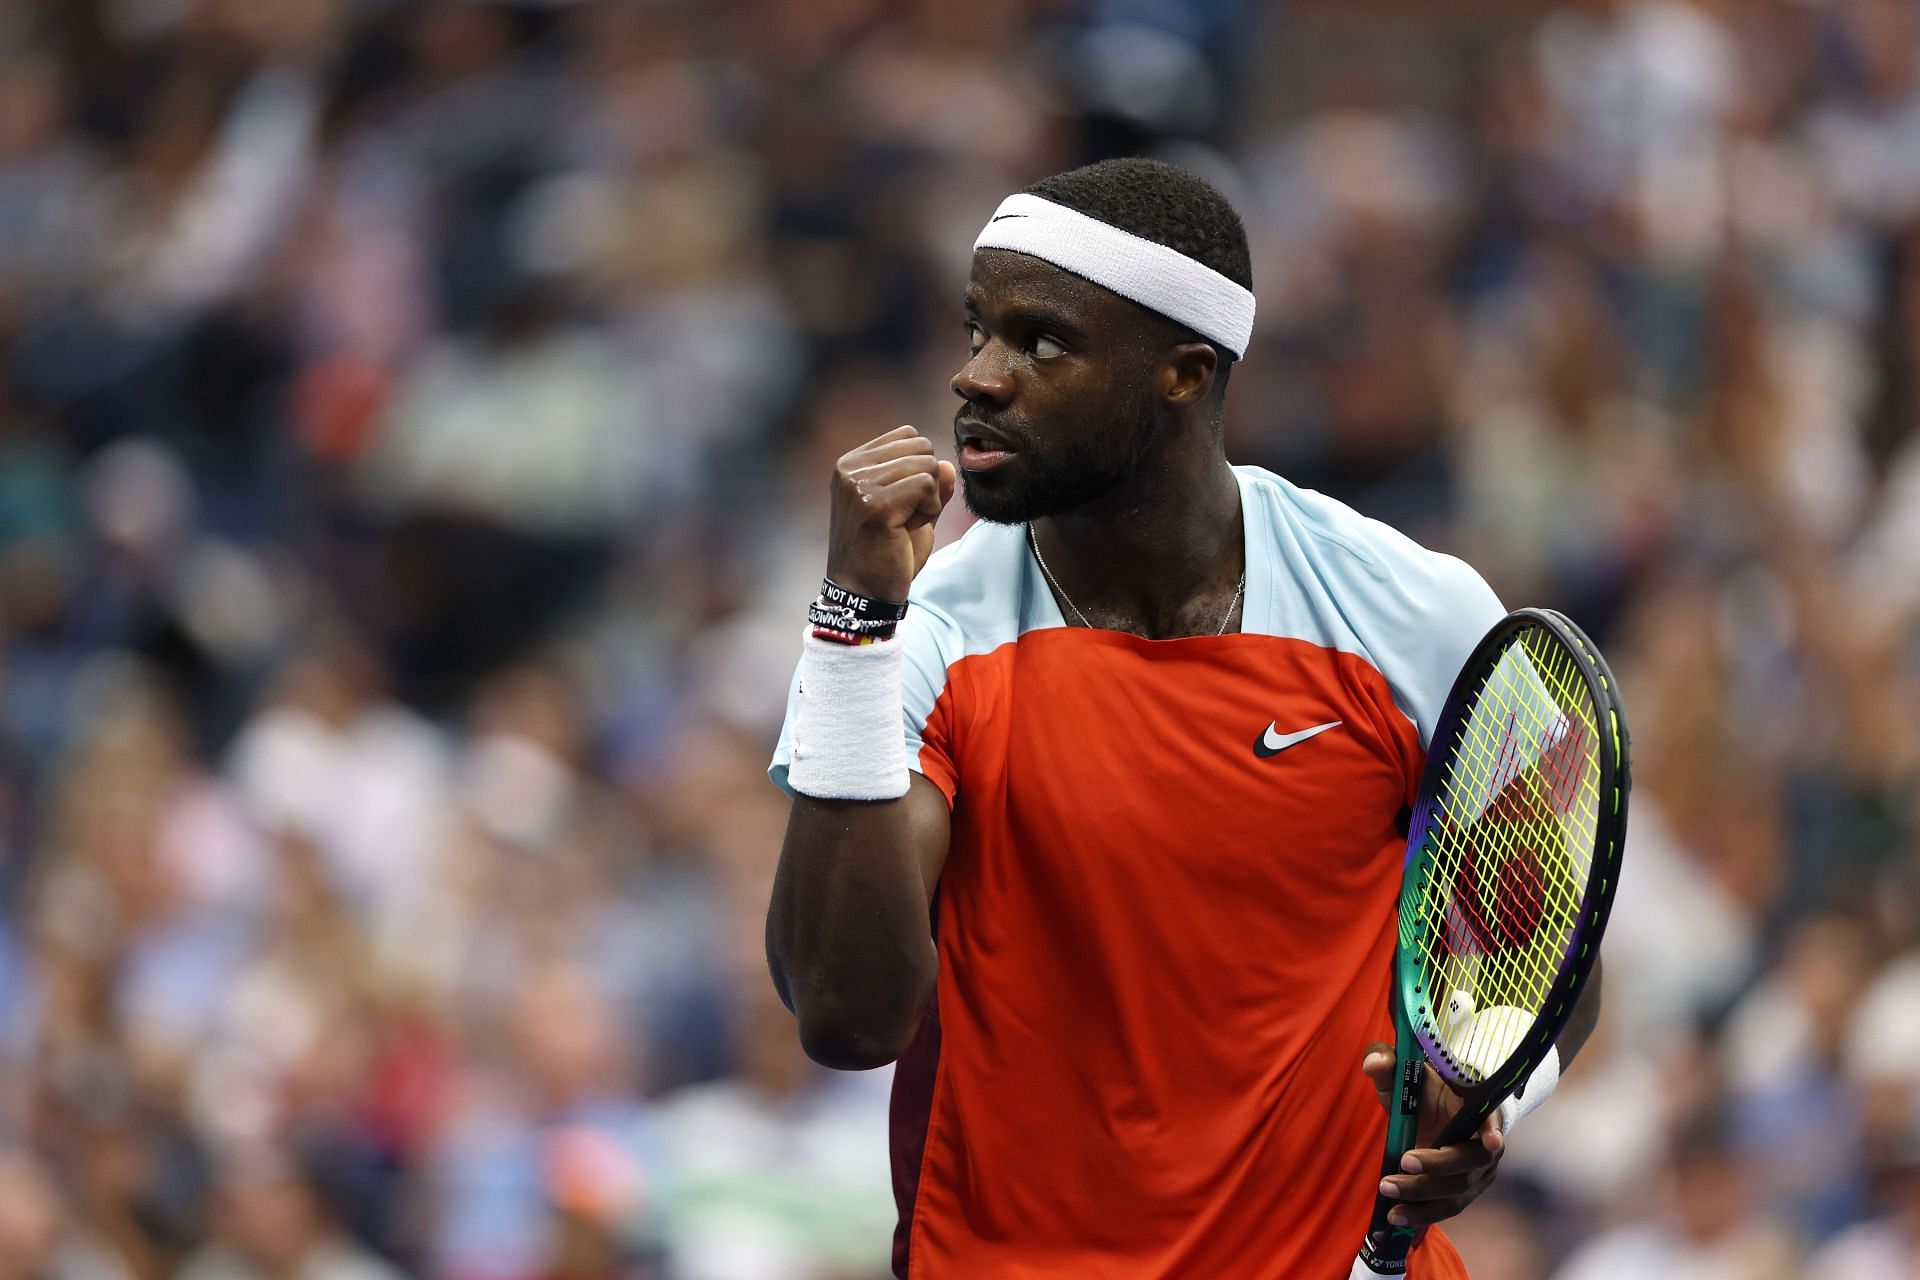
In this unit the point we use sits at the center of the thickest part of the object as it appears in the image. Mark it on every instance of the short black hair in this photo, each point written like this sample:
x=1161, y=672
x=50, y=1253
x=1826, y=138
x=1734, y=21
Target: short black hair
x=1160, y=202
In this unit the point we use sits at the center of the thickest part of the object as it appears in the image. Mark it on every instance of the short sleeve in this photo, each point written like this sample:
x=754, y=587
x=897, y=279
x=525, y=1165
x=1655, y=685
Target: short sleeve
x=930, y=642
x=1426, y=613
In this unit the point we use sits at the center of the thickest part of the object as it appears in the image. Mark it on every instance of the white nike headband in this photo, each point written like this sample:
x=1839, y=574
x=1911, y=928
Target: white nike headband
x=1157, y=277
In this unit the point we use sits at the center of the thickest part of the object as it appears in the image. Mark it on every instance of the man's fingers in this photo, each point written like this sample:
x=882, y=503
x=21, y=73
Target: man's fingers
x=1435, y=1183
x=1377, y=1064
x=1414, y=1188
x=881, y=477
x=1461, y=1157
x=930, y=506
x=914, y=491
x=1491, y=1135
x=864, y=459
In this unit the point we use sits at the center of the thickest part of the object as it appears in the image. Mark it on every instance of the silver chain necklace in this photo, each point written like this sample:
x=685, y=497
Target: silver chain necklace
x=1033, y=540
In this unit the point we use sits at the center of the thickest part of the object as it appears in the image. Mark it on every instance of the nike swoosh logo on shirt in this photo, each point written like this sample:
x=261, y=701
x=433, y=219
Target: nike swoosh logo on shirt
x=1272, y=744
x=1002, y=217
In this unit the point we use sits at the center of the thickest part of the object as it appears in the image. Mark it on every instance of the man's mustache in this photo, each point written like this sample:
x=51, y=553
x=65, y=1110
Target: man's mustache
x=986, y=429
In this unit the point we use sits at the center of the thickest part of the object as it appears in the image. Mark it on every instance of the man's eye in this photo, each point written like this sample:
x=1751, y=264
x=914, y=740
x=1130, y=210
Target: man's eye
x=1046, y=348
x=976, y=338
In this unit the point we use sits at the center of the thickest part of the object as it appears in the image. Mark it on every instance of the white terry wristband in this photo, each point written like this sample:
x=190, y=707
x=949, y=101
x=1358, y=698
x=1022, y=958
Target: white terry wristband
x=849, y=742
x=1538, y=1088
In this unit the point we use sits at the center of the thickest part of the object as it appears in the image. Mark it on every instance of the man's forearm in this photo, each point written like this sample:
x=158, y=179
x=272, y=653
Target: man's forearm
x=849, y=936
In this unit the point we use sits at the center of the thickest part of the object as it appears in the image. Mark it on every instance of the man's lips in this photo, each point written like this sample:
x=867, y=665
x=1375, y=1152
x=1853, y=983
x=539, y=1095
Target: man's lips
x=979, y=446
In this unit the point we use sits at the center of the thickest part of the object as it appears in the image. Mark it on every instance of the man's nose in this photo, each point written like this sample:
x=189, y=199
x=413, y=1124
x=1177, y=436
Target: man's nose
x=983, y=380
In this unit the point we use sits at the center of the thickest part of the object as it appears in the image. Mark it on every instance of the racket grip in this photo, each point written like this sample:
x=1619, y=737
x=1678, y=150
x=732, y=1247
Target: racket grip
x=1384, y=1254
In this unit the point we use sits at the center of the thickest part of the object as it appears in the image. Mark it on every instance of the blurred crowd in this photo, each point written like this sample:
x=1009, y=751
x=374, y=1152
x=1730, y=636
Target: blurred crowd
x=414, y=419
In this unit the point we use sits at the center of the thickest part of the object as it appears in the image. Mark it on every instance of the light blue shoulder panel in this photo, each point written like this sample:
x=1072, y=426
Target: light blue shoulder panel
x=1336, y=578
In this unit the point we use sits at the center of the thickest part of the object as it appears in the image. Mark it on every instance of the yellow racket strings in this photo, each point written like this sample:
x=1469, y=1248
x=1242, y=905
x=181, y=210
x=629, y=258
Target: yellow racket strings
x=1510, y=848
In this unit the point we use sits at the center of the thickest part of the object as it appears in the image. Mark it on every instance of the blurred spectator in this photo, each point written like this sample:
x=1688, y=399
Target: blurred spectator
x=1793, y=1104
x=331, y=759
x=1881, y=1046
x=1705, y=1226
x=1887, y=1245
x=782, y=1172
x=38, y=1238
x=269, y=1224
x=547, y=1142
x=1500, y=1239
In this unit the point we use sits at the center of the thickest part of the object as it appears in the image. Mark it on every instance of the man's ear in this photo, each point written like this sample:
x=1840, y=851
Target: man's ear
x=1186, y=373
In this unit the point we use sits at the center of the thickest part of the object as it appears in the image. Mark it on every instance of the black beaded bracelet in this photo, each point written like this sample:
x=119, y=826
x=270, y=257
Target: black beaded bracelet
x=821, y=614
x=847, y=617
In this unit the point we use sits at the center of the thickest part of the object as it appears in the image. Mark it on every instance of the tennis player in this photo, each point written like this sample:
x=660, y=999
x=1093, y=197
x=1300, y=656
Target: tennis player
x=1098, y=814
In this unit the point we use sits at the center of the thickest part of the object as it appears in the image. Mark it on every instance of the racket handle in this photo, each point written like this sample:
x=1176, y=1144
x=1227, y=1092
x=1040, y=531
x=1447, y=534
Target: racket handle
x=1384, y=1253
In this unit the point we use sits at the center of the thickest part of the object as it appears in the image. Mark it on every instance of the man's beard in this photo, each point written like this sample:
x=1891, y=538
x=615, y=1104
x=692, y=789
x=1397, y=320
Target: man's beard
x=1041, y=483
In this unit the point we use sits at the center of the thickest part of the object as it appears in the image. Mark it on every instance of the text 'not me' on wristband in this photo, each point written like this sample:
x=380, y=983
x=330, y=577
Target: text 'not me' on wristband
x=847, y=617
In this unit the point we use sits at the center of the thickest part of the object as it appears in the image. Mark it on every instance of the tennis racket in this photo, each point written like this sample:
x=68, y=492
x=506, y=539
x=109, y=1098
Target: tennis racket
x=1513, y=855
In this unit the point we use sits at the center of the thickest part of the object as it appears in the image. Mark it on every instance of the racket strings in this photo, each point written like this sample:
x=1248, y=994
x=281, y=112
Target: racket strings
x=1511, y=795
x=1514, y=833
x=1510, y=848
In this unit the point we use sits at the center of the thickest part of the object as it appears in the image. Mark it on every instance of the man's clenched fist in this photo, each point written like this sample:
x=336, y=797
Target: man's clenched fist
x=886, y=496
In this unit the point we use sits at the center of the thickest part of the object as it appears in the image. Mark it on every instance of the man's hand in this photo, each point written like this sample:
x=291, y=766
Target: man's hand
x=1436, y=1182
x=886, y=496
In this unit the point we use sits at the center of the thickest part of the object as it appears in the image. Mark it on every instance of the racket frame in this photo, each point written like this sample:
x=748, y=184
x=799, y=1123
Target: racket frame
x=1385, y=1249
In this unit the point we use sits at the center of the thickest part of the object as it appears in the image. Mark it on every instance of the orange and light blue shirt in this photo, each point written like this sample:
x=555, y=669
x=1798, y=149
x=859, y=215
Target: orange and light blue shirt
x=1165, y=923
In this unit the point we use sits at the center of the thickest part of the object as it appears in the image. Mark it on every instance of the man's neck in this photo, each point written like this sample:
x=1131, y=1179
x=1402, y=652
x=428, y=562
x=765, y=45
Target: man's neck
x=1160, y=556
